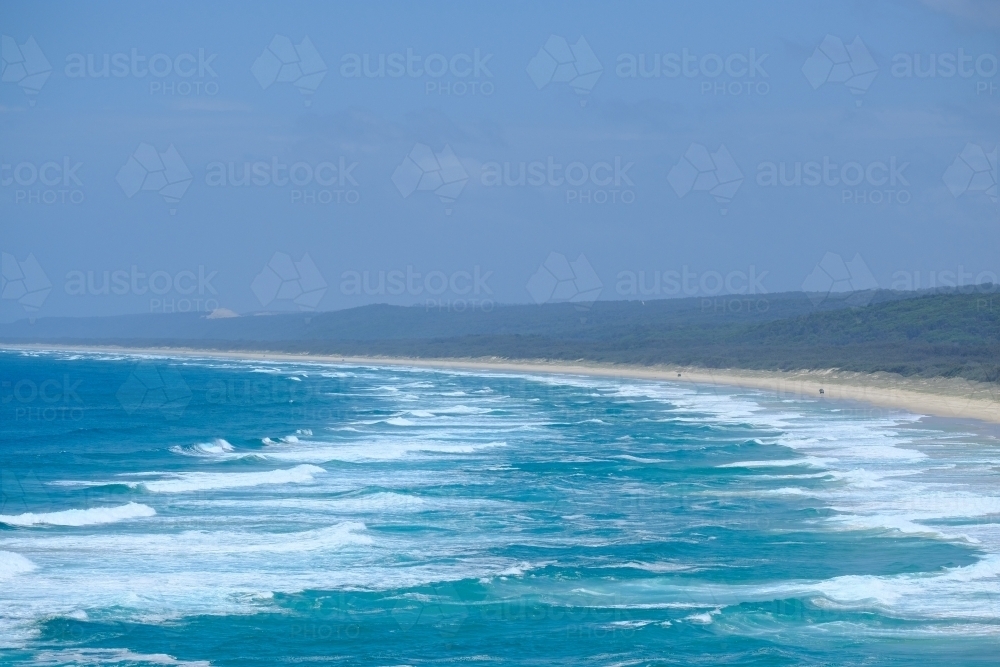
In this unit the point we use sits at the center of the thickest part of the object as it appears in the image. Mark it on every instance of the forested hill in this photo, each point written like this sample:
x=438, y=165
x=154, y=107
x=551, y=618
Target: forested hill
x=929, y=334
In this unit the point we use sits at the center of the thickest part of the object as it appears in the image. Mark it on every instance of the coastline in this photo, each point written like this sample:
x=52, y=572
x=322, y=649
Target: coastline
x=954, y=398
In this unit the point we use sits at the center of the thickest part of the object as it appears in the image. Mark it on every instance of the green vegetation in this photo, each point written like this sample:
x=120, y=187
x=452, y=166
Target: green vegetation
x=928, y=334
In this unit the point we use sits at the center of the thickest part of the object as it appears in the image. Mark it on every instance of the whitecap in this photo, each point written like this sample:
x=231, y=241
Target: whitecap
x=705, y=618
x=373, y=451
x=661, y=567
x=638, y=459
x=216, y=448
x=186, y=482
x=12, y=564
x=88, y=517
x=111, y=656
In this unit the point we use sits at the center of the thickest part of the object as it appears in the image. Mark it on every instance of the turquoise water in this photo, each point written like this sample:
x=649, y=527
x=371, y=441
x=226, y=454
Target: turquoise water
x=195, y=511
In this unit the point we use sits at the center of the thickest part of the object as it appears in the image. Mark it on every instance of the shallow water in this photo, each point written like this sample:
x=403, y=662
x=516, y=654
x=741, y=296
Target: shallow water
x=198, y=511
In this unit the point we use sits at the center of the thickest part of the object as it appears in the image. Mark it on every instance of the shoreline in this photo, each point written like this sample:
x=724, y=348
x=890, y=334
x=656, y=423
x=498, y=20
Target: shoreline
x=954, y=398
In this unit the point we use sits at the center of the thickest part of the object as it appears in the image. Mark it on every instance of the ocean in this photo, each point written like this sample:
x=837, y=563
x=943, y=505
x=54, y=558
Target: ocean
x=199, y=511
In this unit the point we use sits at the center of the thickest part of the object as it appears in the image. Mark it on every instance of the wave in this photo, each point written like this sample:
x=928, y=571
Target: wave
x=12, y=564
x=89, y=517
x=811, y=461
x=705, y=618
x=896, y=523
x=373, y=451
x=111, y=656
x=639, y=459
x=194, y=481
x=197, y=547
x=968, y=592
x=379, y=502
x=217, y=448
x=461, y=410
x=657, y=568
x=187, y=482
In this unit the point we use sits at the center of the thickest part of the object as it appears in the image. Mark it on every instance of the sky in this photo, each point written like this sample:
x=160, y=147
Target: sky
x=301, y=156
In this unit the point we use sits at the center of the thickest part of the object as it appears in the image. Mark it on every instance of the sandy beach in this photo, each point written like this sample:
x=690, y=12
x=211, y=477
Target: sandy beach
x=940, y=397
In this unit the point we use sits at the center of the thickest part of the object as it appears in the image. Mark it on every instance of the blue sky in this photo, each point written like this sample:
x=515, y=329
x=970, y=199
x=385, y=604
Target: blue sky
x=620, y=160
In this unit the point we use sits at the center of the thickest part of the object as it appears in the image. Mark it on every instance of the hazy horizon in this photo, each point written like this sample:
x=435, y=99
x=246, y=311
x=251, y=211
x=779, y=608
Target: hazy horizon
x=323, y=157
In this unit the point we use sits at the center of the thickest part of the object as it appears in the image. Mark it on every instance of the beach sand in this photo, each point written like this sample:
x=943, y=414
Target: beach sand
x=940, y=397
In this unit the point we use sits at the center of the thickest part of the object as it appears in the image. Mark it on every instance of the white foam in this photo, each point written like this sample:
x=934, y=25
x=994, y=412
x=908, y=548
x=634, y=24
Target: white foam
x=897, y=523
x=379, y=450
x=12, y=564
x=460, y=410
x=111, y=656
x=88, y=517
x=187, y=482
x=968, y=592
x=810, y=461
x=192, y=546
x=703, y=619
x=652, y=567
x=638, y=459
x=217, y=448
